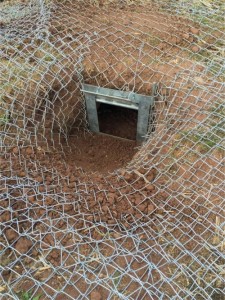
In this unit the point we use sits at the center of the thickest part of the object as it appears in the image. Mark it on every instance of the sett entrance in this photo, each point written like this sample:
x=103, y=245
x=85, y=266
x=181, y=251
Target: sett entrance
x=100, y=101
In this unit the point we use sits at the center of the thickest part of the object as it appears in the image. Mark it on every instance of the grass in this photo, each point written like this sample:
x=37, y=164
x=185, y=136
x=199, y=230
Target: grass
x=205, y=137
x=124, y=2
x=213, y=62
x=151, y=40
x=116, y=278
x=118, y=285
x=208, y=14
x=200, y=140
x=194, y=274
x=28, y=296
x=15, y=72
x=198, y=9
x=3, y=119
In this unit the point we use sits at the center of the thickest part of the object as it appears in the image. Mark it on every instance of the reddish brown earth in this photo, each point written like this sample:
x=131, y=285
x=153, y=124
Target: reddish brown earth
x=97, y=152
x=119, y=199
x=103, y=202
x=55, y=197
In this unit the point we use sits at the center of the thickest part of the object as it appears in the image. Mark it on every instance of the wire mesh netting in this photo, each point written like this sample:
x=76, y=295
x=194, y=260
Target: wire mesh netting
x=91, y=216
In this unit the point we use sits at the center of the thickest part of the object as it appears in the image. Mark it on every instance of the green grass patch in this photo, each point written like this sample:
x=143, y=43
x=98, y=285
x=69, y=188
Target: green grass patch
x=206, y=137
x=28, y=296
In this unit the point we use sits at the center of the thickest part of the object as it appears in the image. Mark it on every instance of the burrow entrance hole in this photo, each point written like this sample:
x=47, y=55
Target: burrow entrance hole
x=119, y=128
x=110, y=149
x=117, y=121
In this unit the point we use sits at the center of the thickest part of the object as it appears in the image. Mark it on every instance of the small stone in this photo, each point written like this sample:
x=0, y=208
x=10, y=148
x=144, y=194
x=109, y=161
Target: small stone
x=72, y=178
x=95, y=296
x=66, y=189
x=68, y=207
x=116, y=235
x=39, y=179
x=163, y=195
x=111, y=195
x=90, y=218
x=142, y=207
x=49, y=200
x=165, y=91
x=23, y=245
x=49, y=240
x=41, y=188
x=139, y=216
x=138, y=200
x=112, y=222
x=71, y=185
x=186, y=36
x=35, y=252
x=161, y=46
x=194, y=31
x=29, y=151
x=32, y=199
x=195, y=49
x=48, y=179
x=114, y=213
x=191, y=39
x=100, y=199
x=143, y=237
x=105, y=208
x=111, y=198
x=178, y=41
x=173, y=40
x=130, y=211
x=15, y=150
x=47, y=183
x=92, y=204
x=54, y=254
x=150, y=187
x=5, y=217
x=150, y=177
x=151, y=208
x=53, y=30
x=199, y=80
x=103, y=219
x=122, y=172
x=11, y=234
x=142, y=170
x=128, y=176
x=22, y=174
x=111, y=201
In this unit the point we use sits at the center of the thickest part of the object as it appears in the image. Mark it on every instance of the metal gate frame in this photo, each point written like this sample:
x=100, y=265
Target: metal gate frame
x=143, y=104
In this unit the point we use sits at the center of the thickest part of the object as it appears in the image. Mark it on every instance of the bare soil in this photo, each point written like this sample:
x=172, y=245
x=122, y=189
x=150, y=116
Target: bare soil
x=96, y=152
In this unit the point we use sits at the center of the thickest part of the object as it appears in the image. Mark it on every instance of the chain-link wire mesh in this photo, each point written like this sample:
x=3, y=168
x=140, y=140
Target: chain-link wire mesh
x=90, y=216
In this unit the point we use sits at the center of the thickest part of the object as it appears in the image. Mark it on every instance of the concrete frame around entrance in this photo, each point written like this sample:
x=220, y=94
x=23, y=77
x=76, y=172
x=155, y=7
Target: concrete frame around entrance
x=143, y=104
